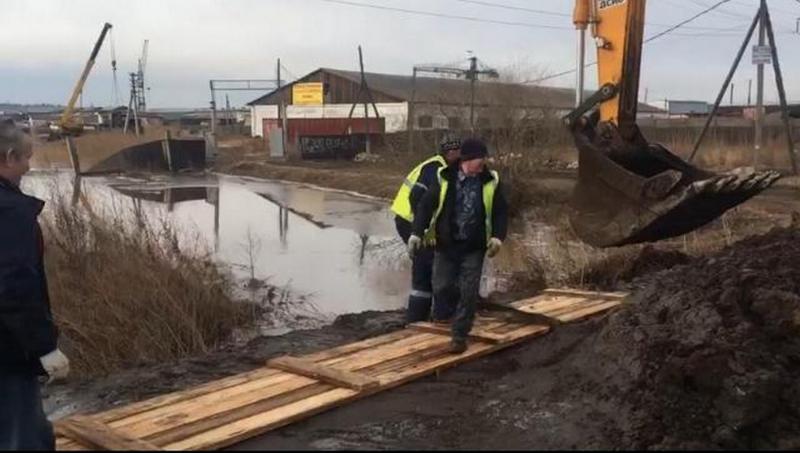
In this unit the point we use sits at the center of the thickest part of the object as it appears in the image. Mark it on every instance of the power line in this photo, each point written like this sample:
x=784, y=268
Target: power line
x=515, y=8
x=554, y=13
x=446, y=16
x=650, y=39
x=291, y=74
x=680, y=24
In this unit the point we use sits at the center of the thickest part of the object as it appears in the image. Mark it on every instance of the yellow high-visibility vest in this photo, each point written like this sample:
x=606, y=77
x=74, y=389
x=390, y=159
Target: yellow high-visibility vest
x=401, y=205
x=489, y=188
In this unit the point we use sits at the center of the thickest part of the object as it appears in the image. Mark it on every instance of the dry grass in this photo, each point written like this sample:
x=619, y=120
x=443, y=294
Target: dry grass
x=125, y=294
x=546, y=249
x=721, y=154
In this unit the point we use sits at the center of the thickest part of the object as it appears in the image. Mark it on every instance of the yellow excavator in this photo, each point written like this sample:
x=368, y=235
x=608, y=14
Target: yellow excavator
x=69, y=123
x=629, y=190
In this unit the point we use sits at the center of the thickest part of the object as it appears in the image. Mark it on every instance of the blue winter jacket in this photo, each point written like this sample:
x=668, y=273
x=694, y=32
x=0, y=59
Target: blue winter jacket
x=27, y=331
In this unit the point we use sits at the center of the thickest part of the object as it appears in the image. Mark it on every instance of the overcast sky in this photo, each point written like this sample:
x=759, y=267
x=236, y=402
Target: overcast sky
x=46, y=43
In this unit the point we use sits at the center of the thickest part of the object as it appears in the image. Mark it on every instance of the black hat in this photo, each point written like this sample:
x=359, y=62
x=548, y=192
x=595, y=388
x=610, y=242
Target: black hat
x=450, y=144
x=473, y=148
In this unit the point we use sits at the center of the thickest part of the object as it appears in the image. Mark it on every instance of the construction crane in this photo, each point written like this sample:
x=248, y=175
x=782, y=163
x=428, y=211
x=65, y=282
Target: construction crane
x=630, y=190
x=141, y=103
x=137, y=102
x=68, y=123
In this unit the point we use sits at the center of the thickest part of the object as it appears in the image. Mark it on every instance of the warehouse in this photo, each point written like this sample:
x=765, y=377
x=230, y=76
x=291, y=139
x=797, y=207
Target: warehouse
x=438, y=103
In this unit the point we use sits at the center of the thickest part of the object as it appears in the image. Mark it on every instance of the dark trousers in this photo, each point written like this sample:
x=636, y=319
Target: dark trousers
x=456, y=286
x=23, y=424
x=421, y=296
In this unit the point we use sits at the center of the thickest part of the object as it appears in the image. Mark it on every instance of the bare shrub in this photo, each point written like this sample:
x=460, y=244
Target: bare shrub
x=125, y=293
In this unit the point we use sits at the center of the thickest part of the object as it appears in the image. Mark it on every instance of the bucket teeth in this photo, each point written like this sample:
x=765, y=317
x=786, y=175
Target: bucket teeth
x=631, y=192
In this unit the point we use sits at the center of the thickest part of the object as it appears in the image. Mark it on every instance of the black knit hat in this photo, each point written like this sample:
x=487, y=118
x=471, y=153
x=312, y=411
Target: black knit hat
x=449, y=144
x=472, y=148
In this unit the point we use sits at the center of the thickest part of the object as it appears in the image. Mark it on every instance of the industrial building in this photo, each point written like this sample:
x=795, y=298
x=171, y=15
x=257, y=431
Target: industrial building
x=438, y=103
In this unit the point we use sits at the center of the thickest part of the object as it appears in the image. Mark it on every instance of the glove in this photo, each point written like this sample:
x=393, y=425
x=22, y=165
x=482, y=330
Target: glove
x=493, y=247
x=414, y=244
x=56, y=365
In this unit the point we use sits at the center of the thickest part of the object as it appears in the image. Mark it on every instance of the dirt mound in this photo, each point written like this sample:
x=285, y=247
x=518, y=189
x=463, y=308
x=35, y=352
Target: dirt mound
x=609, y=273
x=708, y=354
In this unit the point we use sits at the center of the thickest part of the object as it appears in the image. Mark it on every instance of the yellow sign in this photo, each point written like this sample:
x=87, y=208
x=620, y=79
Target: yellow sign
x=307, y=93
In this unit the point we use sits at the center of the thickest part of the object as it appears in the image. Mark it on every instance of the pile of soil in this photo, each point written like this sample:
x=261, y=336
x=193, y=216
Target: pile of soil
x=619, y=269
x=708, y=354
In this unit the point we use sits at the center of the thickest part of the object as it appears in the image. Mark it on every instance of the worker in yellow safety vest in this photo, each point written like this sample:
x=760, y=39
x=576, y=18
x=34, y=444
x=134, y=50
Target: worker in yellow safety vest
x=465, y=214
x=408, y=196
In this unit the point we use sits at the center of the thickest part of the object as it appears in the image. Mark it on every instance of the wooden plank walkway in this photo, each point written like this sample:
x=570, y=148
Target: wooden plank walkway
x=288, y=389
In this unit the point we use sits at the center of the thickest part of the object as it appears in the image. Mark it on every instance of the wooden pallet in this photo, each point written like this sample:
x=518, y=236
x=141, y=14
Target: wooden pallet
x=288, y=389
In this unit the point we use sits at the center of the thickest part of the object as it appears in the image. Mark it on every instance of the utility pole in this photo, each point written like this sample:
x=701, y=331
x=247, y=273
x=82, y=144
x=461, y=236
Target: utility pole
x=132, y=107
x=776, y=69
x=760, y=58
x=759, y=132
x=472, y=75
x=411, y=121
x=281, y=111
x=213, y=109
x=732, y=85
x=228, y=113
x=366, y=106
x=364, y=90
x=750, y=92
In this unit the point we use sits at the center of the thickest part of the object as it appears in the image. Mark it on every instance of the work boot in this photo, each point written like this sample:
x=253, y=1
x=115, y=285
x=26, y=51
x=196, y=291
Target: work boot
x=458, y=346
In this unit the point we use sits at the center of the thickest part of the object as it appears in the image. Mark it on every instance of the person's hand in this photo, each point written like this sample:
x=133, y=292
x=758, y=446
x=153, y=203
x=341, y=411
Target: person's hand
x=493, y=247
x=56, y=365
x=414, y=244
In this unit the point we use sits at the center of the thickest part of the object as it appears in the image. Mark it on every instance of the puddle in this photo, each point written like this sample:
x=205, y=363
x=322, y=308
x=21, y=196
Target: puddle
x=336, y=253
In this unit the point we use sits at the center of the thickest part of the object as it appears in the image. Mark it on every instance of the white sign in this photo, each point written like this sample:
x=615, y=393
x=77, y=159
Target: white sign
x=609, y=3
x=762, y=55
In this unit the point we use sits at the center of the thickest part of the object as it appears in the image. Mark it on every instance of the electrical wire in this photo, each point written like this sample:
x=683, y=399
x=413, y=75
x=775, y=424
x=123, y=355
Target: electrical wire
x=650, y=39
x=553, y=13
x=446, y=16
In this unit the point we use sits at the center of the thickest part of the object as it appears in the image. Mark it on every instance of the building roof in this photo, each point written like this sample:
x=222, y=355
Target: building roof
x=450, y=91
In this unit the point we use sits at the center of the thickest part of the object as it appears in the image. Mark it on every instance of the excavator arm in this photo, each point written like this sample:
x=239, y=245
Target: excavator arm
x=629, y=190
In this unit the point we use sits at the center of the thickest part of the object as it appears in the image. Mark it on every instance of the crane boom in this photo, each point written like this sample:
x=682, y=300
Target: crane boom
x=67, y=123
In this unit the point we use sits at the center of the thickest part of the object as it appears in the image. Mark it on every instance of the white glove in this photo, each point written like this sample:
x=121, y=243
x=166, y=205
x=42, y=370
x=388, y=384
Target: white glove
x=493, y=247
x=414, y=244
x=55, y=364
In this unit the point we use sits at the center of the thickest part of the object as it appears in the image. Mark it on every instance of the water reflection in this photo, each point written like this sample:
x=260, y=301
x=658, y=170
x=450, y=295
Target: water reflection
x=306, y=236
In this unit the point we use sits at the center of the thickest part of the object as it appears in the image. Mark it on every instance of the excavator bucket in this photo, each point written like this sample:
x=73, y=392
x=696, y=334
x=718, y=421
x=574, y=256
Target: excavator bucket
x=631, y=191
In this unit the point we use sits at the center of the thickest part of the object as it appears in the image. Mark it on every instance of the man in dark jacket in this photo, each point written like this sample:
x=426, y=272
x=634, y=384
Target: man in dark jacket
x=405, y=202
x=466, y=215
x=28, y=336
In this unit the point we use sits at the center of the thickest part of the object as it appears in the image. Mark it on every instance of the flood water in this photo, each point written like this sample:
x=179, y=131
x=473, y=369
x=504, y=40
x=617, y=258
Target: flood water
x=336, y=252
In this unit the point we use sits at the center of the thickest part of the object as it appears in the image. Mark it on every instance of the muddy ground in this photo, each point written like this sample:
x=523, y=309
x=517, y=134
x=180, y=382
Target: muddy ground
x=149, y=380
x=705, y=355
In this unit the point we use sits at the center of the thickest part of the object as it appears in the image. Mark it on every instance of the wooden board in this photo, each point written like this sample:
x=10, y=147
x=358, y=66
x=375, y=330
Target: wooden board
x=288, y=389
x=99, y=436
x=309, y=368
x=476, y=333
